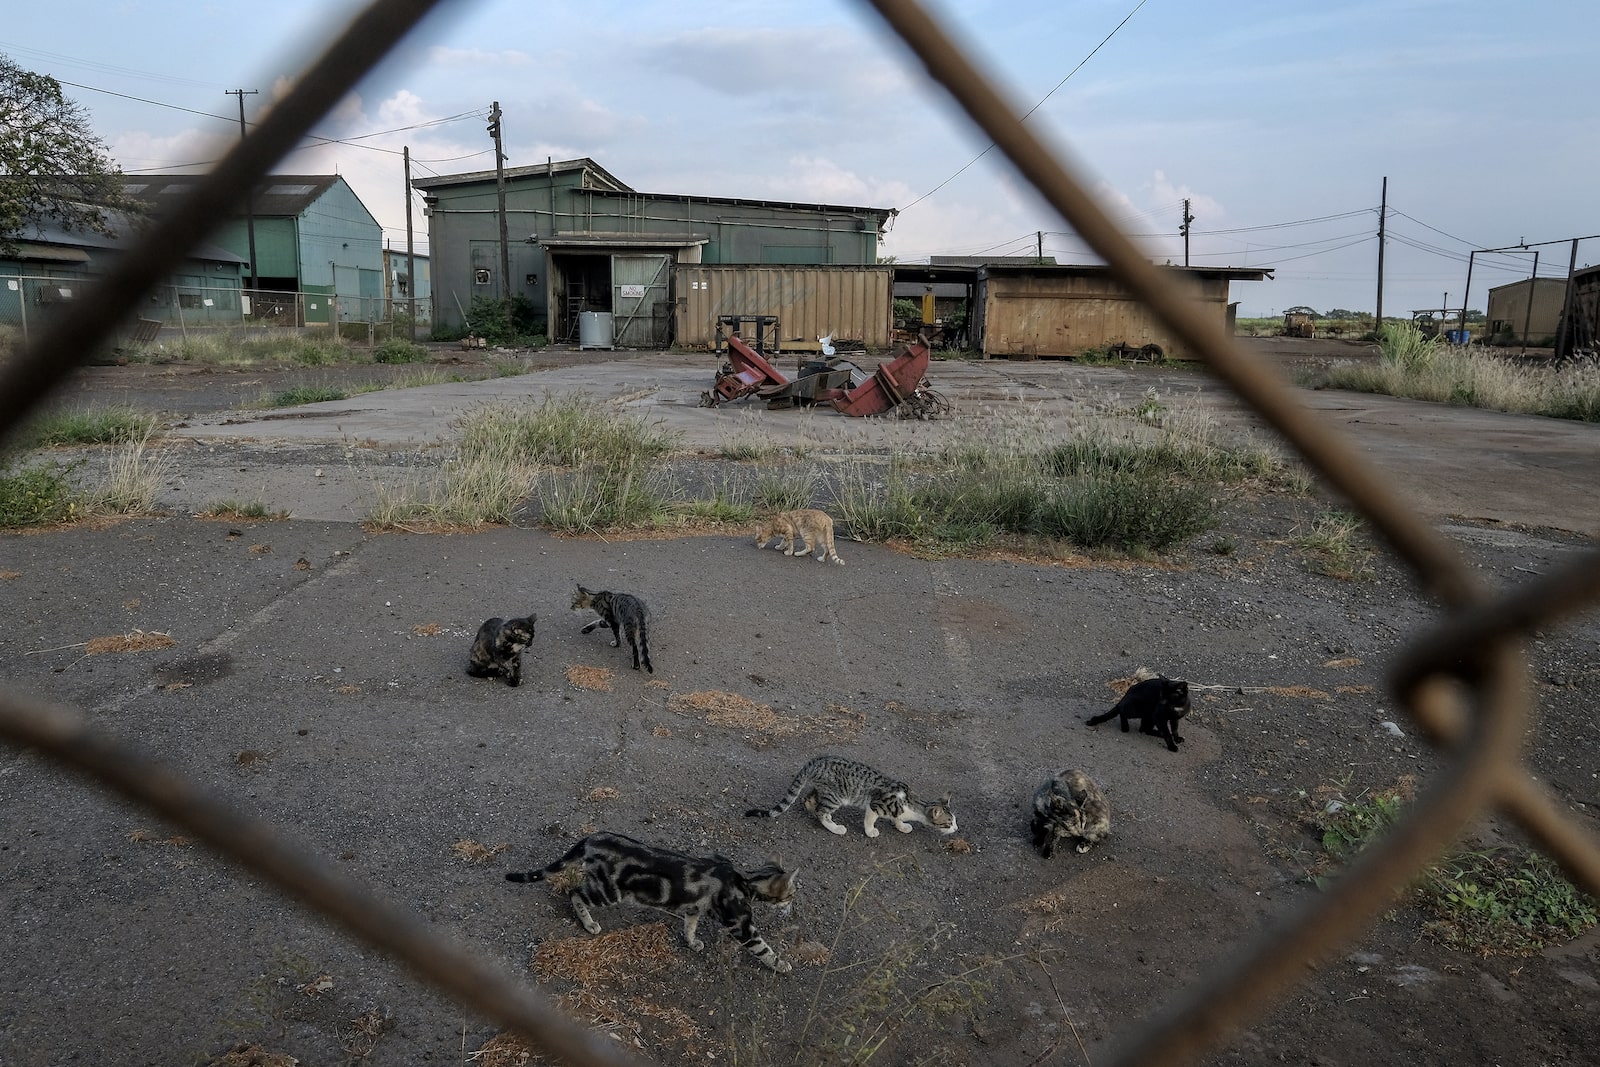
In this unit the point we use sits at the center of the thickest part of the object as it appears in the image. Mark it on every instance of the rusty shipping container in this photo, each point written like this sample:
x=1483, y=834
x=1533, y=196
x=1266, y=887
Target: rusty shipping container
x=849, y=302
x=1035, y=311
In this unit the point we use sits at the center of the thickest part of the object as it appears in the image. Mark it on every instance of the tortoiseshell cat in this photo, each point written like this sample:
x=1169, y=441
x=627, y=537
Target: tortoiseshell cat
x=621, y=613
x=1069, y=806
x=838, y=782
x=789, y=528
x=618, y=869
x=1158, y=703
x=498, y=648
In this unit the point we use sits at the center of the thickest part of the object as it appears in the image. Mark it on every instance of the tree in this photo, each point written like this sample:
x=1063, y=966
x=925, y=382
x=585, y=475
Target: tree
x=52, y=166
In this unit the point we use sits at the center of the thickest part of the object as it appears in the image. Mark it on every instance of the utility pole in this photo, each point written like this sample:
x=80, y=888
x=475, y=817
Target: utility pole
x=411, y=256
x=1183, y=228
x=1383, y=215
x=500, y=195
x=1564, y=326
x=1038, y=246
x=250, y=194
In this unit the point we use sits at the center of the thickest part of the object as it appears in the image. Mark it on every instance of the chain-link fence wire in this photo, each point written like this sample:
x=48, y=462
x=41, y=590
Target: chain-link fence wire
x=1465, y=682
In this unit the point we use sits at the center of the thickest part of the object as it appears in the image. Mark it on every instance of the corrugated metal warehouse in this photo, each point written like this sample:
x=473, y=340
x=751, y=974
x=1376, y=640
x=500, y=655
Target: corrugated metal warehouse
x=1025, y=312
x=1526, y=311
x=582, y=241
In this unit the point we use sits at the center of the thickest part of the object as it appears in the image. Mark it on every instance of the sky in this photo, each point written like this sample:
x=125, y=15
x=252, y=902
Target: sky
x=1278, y=122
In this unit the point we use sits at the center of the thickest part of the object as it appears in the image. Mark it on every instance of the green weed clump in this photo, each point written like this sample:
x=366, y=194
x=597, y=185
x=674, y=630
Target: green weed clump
x=399, y=350
x=87, y=426
x=1337, y=546
x=1500, y=900
x=36, y=494
x=566, y=431
x=304, y=394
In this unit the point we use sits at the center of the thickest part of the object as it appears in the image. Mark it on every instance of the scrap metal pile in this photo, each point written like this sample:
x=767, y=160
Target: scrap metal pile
x=899, y=386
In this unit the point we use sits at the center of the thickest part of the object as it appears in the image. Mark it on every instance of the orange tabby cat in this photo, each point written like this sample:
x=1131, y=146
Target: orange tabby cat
x=790, y=527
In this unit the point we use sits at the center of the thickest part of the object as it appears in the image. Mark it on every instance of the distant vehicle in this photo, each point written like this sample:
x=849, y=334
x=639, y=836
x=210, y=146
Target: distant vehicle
x=1297, y=323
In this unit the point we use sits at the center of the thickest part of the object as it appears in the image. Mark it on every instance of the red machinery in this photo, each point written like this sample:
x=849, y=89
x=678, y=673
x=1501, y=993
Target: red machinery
x=899, y=383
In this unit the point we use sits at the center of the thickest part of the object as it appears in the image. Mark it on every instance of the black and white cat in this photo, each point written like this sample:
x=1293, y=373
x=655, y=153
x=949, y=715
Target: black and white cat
x=832, y=782
x=1158, y=703
x=1069, y=806
x=621, y=613
x=498, y=648
x=620, y=870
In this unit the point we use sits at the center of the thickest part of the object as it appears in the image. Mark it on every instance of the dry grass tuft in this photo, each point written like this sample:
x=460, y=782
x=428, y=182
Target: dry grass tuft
x=607, y=957
x=604, y=792
x=470, y=851
x=735, y=711
x=1352, y=689
x=661, y=731
x=505, y=1049
x=133, y=641
x=1296, y=691
x=244, y=1055
x=1350, y=661
x=427, y=629
x=597, y=679
x=145, y=837
x=814, y=952
x=260, y=550
x=6, y=576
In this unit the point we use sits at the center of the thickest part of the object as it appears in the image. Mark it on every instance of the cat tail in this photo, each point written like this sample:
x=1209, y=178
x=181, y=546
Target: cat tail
x=572, y=856
x=1098, y=719
x=801, y=783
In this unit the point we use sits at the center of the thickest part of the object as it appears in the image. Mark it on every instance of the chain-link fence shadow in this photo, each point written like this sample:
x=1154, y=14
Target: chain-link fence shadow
x=1464, y=683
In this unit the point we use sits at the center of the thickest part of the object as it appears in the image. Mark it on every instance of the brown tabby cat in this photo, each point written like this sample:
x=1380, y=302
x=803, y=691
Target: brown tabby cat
x=790, y=527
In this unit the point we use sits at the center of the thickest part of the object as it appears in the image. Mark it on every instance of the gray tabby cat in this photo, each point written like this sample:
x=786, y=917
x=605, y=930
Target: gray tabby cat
x=618, y=869
x=835, y=782
x=1069, y=807
x=498, y=648
x=621, y=613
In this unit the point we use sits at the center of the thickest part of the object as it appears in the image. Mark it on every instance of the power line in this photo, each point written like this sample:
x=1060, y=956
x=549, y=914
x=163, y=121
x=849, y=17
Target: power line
x=1031, y=110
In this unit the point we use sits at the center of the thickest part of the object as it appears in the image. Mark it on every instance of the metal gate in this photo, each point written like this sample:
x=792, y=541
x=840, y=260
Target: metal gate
x=641, y=299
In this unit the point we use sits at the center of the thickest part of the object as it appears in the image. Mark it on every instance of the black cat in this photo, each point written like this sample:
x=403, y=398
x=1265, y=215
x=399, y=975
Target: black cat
x=1158, y=704
x=621, y=613
x=498, y=648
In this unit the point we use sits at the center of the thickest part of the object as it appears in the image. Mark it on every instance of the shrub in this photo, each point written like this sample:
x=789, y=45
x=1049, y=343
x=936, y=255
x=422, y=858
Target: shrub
x=399, y=350
x=36, y=495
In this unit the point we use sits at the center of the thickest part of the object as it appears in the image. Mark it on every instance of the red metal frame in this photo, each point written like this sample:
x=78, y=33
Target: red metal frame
x=751, y=372
x=889, y=385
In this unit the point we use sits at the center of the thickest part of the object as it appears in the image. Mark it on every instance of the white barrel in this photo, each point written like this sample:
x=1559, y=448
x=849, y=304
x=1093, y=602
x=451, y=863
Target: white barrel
x=596, y=329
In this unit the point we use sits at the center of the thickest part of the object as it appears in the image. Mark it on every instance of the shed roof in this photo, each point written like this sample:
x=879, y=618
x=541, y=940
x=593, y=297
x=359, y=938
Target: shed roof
x=52, y=234
x=275, y=196
x=605, y=179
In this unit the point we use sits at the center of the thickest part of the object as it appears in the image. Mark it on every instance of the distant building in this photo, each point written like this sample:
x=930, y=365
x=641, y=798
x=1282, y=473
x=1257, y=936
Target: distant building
x=582, y=241
x=312, y=235
x=1525, y=312
x=47, y=271
x=402, y=291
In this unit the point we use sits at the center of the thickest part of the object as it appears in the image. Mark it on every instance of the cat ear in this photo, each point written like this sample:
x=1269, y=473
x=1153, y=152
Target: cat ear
x=944, y=801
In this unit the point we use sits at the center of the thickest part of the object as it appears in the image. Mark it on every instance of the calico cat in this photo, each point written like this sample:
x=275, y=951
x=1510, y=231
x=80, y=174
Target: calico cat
x=621, y=870
x=837, y=782
x=1158, y=703
x=1069, y=806
x=790, y=527
x=498, y=648
x=621, y=613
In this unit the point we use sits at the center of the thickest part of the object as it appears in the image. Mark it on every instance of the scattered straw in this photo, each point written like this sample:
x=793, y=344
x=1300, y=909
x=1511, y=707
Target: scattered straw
x=470, y=851
x=347, y=689
x=427, y=629
x=133, y=641
x=243, y=1055
x=593, y=678
x=733, y=710
x=662, y=731
x=959, y=845
x=1296, y=691
x=504, y=1049
x=1353, y=689
x=302, y=564
x=625, y=953
x=1350, y=661
x=604, y=792
x=251, y=757
x=6, y=576
x=261, y=550
x=145, y=837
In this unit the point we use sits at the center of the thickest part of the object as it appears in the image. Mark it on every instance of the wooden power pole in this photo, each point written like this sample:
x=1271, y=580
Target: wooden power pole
x=1383, y=215
x=249, y=196
x=500, y=196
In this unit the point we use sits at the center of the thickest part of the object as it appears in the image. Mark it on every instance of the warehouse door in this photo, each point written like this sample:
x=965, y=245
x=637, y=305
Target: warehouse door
x=641, y=299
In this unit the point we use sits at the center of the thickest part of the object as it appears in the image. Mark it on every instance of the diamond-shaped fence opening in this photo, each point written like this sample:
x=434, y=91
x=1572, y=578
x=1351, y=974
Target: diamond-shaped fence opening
x=1464, y=682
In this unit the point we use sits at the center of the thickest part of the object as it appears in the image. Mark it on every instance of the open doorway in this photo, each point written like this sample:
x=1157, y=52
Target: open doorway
x=581, y=283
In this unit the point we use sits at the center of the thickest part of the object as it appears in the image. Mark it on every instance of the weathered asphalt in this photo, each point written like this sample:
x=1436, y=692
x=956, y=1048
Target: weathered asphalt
x=1449, y=462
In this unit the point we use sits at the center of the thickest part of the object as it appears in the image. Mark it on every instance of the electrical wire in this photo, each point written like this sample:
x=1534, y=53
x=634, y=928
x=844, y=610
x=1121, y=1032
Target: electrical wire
x=1031, y=110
